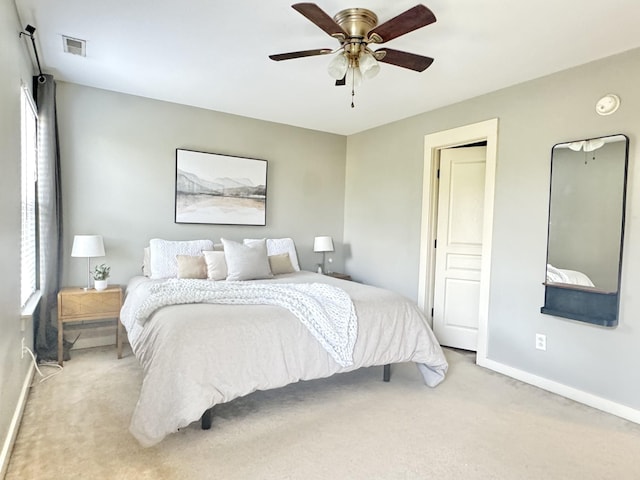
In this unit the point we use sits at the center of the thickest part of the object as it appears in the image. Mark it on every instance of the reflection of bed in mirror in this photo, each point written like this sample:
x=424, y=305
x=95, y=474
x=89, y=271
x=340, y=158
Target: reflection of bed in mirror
x=570, y=277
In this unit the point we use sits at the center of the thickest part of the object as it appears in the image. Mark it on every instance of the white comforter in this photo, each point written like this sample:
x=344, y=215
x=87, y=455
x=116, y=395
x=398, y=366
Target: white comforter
x=195, y=356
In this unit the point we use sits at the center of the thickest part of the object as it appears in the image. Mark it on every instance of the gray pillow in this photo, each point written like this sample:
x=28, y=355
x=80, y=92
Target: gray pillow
x=246, y=262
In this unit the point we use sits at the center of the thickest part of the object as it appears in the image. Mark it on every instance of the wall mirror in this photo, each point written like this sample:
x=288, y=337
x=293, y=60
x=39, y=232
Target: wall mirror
x=586, y=229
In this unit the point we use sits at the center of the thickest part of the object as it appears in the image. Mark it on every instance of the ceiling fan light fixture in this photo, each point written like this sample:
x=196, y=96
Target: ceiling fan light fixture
x=368, y=65
x=592, y=145
x=338, y=66
x=586, y=145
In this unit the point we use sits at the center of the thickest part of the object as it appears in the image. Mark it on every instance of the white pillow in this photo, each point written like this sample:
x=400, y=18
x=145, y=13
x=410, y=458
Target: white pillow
x=163, y=255
x=146, y=262
x=216, y=265
x=246, y=262
x=276, y=246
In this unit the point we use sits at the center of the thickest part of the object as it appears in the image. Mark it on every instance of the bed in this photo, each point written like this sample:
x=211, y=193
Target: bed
x=202, y=341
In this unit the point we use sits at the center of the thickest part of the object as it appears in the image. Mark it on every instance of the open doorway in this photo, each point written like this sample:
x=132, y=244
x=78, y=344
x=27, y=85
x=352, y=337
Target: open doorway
x=449, y=247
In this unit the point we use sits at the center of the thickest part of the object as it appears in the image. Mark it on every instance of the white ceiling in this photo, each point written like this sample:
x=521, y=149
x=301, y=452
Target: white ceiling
x=214, y=54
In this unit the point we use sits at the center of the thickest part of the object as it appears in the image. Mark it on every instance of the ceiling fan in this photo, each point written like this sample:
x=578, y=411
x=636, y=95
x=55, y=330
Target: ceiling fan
x=356, y=29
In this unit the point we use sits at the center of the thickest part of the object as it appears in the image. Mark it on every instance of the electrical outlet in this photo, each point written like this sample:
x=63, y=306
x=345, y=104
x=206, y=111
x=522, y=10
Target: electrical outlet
x=541, y=341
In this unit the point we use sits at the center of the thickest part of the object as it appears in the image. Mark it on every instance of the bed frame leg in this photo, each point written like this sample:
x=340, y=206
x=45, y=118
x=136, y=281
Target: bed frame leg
x=205, y=421
x=386, y=374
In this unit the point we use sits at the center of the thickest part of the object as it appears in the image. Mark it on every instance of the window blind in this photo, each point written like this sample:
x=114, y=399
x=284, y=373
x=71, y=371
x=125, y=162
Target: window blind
x=28, y=253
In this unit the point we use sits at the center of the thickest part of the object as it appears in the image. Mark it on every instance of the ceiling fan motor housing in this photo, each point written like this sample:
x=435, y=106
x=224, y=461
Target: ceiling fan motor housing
x=357, y=22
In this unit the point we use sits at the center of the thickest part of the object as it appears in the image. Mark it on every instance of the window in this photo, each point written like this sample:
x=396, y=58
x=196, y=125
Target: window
x=28, y=253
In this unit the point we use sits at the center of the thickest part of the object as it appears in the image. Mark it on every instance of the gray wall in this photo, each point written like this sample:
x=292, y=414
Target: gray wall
x=118, y=173
x=16, y=68
x=382, y=219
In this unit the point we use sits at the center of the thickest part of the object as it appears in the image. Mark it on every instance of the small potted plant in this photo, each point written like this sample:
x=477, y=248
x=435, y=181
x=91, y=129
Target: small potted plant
x=100, y=275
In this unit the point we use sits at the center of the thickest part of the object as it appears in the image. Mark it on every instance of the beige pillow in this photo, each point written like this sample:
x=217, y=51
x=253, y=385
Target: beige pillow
x=216, y=265
x=191, y=266
x=280, y=264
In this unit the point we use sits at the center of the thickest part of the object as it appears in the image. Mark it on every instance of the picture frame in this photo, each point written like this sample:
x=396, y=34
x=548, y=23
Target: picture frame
x=212, y=188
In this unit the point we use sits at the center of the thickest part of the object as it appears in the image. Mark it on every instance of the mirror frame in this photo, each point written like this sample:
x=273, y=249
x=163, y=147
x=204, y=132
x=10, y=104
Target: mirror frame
x=586, y=304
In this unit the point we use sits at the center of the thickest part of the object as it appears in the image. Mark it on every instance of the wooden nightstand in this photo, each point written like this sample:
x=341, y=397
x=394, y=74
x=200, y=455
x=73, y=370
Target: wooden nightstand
x=75, y=304
x=341, y=276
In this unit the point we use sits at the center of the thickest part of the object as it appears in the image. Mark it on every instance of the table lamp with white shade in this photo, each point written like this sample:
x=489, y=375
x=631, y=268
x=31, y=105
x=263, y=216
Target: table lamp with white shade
x=88, y=246
x=323, y=244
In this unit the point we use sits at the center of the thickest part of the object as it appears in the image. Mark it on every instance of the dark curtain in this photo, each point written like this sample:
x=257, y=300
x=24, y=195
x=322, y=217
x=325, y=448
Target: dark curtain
x=49, y=215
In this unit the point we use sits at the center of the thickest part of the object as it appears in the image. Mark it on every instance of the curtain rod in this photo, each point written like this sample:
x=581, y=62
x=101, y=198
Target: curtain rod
x=30, y=30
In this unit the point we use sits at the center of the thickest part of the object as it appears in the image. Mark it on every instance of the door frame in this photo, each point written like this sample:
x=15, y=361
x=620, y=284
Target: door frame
x=433, y=143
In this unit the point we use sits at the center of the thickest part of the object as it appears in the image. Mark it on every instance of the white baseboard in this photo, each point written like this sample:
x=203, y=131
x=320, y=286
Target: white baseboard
x=5, y=454
x=579, y=396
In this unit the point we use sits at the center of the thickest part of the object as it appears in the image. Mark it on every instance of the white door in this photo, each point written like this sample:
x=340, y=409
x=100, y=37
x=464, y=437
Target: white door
x=459, y=246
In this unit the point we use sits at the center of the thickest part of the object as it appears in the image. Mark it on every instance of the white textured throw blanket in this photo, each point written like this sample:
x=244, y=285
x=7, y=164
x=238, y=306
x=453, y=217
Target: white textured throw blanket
x=326, y=311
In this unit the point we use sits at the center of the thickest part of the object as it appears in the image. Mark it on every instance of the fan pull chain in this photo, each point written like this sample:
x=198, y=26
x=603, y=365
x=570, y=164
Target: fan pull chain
x=353, y=86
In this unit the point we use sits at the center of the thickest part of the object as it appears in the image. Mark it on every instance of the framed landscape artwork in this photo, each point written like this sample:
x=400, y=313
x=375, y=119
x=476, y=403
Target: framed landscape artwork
x=220, y=189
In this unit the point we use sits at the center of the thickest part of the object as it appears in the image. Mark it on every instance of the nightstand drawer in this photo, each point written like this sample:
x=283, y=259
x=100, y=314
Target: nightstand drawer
x=80, y=303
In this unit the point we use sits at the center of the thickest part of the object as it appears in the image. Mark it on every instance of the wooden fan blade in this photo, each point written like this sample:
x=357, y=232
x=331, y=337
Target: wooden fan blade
x=404, y=59
x=318, y=16
x=414, y=18
x=303, y=53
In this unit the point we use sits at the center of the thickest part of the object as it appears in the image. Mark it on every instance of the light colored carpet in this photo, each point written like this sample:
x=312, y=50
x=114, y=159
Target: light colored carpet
x=476, y=425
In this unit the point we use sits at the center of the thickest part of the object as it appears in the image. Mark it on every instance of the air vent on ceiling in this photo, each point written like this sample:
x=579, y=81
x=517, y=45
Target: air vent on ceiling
x=75, y=46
